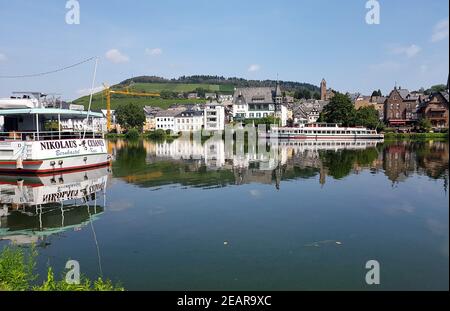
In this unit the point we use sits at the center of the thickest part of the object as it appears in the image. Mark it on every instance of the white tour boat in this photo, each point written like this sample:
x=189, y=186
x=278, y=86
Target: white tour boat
x=38, y=137
x=322, y=131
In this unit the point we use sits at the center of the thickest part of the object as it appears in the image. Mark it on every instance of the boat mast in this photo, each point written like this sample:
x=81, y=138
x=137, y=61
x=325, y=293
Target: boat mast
x=90, y=98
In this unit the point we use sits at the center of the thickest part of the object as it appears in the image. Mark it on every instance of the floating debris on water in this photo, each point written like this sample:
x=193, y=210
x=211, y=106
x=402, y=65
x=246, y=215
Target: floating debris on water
x=323, y=243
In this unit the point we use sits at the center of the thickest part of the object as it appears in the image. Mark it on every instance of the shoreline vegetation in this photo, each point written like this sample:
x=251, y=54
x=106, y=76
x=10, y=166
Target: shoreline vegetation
x=17, y=273
x=163, y=136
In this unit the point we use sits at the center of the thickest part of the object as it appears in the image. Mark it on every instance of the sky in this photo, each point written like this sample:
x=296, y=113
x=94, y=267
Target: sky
x=296, y=40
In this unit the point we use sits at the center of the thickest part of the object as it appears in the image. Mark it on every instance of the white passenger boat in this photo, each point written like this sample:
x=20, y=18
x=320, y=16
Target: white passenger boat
x=33, y=140
x=322, y=131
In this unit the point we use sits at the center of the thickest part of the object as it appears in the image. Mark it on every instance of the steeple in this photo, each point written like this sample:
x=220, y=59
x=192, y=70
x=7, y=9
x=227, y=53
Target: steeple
x=323, y=90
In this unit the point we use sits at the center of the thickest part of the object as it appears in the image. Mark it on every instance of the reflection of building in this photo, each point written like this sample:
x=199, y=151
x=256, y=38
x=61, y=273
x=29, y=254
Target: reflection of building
x=399, y=162
x=218, y=163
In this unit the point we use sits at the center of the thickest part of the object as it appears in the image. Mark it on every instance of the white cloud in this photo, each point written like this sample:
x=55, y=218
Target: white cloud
x=154, y=52
x=440, y=31
x=408, y=51
x=85, y=92
x=254, y=68
x=116, y=56
x=3, y=57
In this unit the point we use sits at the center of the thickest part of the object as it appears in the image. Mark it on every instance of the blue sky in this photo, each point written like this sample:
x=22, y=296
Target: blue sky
x=300, y=40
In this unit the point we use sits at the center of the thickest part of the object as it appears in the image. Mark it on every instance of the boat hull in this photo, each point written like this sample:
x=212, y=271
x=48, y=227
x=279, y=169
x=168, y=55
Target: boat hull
x=326, y=137
x=46, y=157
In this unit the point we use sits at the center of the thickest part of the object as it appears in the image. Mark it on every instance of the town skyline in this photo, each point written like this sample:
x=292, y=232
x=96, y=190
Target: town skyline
x=138, y=41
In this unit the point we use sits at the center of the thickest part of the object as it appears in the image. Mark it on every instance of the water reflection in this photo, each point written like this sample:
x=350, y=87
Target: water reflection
x=216, y=164
x=35, y=207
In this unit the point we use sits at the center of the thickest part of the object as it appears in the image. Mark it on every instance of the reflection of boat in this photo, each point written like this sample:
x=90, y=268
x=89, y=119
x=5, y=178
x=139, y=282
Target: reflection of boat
x=33, y=140
x=328, y=144
x=319, y=131
x=34, y=206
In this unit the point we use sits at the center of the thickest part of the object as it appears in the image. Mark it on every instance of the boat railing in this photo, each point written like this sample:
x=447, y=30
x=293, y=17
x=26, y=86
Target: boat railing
x=37, y=136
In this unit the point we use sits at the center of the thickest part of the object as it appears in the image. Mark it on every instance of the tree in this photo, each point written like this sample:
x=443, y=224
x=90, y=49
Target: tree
x=201, y=92
x=298, y=94
x=367, y=116
x=306, y=94
x=130, y=116
x=302, y=94
x=377, y=93
x=436, y=88
x=316, y=96
x=339, y=110
x=425, y=125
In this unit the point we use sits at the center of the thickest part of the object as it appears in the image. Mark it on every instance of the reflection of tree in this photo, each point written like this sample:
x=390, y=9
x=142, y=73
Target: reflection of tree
x=433, y=159
x=341, y=163
x=130, y=159
x=401, y=159
x=398, y=160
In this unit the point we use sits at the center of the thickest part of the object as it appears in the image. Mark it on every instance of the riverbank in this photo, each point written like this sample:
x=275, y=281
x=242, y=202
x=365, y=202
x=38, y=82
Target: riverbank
x=415, y=136
x=388, y=136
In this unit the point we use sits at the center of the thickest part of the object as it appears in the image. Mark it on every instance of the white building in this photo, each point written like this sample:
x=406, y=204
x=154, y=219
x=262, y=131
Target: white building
x=225, y=98
x=165, y=120
x=259, y=102
x=214, y=117
x=188, y=120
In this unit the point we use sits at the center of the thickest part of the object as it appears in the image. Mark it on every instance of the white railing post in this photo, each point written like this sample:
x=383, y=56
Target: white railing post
x=37, y=125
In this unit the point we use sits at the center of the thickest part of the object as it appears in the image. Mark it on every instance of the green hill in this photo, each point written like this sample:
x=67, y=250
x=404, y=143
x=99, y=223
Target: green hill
x=170, y=89
x=99, y=100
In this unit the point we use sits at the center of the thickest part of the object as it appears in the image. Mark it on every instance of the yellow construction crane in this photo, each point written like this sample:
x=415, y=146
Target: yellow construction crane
x=108, y=93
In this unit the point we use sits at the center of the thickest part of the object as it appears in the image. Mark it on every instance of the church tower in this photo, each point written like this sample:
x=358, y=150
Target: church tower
x=323, y=90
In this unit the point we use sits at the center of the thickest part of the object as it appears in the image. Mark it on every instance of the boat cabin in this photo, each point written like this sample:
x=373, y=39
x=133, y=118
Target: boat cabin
x=30, y=118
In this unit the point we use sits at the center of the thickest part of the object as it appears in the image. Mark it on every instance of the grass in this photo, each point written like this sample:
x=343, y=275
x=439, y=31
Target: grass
x=17, y=267
x=99, y=101
x=415, y=136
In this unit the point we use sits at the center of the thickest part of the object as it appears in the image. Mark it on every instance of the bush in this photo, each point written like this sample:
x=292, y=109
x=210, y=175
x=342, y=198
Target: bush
x=133, y=134
x=17, y=274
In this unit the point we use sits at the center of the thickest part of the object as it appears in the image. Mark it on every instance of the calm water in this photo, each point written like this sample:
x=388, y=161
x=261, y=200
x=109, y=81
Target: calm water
x=185, y=216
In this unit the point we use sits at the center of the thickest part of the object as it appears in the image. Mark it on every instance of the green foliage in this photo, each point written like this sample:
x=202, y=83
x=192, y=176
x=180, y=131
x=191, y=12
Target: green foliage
x=302, y=94
x=166, y=94
x=133, y=134
x=377, y=93
x=316, y=96
x=425, y=125
x=17, y=274
x=339, y=110
x=85, y=284
x=415, y=136
x=269, y=120
x=130, y=116
x=436, y=88
x=16, y=269
x=200, y=92
x=158, y=134
x=367, y=116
